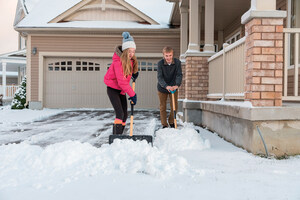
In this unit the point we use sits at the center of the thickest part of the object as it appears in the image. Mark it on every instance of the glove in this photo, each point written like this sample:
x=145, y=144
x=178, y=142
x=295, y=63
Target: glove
x=133, y=99
x=134, y=76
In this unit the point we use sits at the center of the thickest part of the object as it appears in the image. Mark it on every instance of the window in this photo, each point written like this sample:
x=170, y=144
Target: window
x=234, y=38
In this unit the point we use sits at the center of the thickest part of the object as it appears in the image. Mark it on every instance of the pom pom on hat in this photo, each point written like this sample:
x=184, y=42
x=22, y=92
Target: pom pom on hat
x=128, y=41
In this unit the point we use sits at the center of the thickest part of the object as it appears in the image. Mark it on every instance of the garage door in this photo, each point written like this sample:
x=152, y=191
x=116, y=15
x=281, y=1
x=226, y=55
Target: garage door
x=78, y=83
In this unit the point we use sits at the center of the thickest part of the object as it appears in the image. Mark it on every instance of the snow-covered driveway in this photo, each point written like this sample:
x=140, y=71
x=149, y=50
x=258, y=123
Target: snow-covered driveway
x=56, y=155
x=92, y=126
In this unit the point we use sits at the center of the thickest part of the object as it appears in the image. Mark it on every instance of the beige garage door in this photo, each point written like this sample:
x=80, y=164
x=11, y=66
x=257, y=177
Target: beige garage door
x=78, y=83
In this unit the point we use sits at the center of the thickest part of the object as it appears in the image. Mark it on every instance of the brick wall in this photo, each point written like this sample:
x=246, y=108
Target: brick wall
x=264, y=62
x=196, y=74
x=181, y=90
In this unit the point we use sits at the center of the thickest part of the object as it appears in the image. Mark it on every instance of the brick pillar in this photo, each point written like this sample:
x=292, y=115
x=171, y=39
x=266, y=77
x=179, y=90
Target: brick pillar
x=264, y=61
x=181, y=90
x=196, y=78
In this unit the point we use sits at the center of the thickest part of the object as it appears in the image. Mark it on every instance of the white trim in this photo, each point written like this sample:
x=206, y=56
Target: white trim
x=17, y=61
x=291, y=30
x=4, y=79
x=28, y=70
x=289, y=13
x=232, y=46
x=100, y=55
x=23, y=51
x=290, y=98
x=250, y=14
x=226, y=95
x=10, y=74
x=234, y=37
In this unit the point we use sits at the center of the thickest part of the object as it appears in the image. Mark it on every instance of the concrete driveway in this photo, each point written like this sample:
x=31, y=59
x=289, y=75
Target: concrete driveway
x=92, y=126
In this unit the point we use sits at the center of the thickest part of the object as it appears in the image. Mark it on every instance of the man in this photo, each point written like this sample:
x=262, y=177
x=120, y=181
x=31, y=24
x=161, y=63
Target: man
x=169, y=76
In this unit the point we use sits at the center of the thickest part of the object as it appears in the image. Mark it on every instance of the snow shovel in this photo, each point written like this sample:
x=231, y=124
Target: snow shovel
x=173, y=103
x=148, y=138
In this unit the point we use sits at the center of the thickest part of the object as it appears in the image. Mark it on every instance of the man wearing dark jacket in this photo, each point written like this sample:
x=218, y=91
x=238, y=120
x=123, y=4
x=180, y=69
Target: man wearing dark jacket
x=169, y=76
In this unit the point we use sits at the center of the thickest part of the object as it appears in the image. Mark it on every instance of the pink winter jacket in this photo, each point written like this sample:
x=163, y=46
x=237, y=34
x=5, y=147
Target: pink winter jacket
x=115, y=78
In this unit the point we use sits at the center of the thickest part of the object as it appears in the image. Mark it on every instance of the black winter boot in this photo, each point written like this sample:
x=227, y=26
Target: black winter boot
x=172, y=125
x=123, y=127
x=117, y=129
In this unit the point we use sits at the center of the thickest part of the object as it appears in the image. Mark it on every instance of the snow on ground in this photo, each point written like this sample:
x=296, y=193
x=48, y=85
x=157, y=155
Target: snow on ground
x=181, y=164
x=8, y=115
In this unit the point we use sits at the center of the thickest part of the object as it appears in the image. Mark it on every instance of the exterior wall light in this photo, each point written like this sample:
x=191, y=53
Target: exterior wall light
x=34, y=50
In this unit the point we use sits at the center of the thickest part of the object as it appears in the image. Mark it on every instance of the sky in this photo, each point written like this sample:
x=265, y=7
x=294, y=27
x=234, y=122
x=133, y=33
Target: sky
x=8, y=36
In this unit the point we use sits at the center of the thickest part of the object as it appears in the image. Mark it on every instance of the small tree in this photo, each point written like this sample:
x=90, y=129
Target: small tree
x=20, y=96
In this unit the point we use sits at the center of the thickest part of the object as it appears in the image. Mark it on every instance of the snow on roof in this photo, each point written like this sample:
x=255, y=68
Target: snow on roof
x=41, y=12
x=30, y=4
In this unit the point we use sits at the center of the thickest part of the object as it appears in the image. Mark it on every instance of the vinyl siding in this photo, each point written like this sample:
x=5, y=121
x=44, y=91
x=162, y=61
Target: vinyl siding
x=69, y=43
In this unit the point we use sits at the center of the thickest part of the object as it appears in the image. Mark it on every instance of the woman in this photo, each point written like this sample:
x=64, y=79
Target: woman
x=117, y=78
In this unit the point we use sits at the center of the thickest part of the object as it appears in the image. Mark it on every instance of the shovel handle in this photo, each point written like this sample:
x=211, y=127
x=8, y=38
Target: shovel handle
x=131, y=117
x=173, y=102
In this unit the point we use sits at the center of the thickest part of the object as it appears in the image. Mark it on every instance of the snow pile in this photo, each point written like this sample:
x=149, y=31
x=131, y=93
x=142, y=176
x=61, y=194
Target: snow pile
x=139, y=157
x=171, y=140
x=60, y=163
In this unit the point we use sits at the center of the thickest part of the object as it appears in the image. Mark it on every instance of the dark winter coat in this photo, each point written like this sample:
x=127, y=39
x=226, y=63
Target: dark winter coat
x=168, y=75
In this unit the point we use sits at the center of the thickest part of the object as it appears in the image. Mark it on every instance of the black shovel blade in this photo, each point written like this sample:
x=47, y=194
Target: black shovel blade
x=148, y=138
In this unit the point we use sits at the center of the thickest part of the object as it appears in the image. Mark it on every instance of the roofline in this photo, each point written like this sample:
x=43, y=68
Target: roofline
x=15, y=60
x=92, y=30
x=172, y=12
x=13, y=52
x=24, y=7
x=80, y=4
x=69, y=11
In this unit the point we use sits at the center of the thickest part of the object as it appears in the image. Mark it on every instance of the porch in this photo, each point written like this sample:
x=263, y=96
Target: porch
x=9, y=91
x=12, y=71
x=252, y=84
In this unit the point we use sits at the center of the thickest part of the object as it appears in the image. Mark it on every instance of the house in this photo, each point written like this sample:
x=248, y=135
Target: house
x=251, y=86
x=12, y=54
x=238, y=59
x=70, y=46
x=12, y=71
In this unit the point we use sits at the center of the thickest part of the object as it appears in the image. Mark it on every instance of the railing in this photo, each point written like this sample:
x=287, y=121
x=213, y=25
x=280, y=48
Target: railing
x=10, y=91
x=226, y=72
x=291, y=78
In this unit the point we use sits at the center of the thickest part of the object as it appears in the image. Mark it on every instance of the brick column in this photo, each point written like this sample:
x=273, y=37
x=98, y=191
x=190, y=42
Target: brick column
x=264, y=61
x=196, y=78
x=181, y=90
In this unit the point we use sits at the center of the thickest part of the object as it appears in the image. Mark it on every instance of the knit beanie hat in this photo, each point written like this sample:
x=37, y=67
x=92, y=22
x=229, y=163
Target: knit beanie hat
x=128, y=41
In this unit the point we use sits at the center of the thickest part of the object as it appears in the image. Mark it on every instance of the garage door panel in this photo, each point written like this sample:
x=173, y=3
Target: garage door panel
x=78, y=83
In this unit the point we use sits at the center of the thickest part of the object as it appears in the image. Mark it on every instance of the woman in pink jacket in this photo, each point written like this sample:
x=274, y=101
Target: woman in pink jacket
x=117, y=78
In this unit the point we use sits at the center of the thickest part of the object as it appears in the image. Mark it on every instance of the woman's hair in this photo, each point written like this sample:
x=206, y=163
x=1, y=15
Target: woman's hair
x=126, y=63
